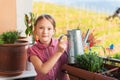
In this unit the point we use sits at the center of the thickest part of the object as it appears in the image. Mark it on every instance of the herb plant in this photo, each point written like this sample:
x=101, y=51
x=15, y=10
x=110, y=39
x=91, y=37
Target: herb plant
x=90, y=61
x=9, y=37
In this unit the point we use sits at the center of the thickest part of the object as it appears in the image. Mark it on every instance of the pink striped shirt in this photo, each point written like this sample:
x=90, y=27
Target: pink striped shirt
x=44, y=53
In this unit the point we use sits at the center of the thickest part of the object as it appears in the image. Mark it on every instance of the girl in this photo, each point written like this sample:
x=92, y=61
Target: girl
x=47, y=54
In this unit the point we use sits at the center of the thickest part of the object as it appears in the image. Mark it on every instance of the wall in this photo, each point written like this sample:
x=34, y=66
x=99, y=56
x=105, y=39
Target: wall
x=12, y=14
x=7, y=15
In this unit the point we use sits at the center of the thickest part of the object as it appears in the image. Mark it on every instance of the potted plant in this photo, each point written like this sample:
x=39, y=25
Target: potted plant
x=90, y=66
x=12, y=54
x=29, y=20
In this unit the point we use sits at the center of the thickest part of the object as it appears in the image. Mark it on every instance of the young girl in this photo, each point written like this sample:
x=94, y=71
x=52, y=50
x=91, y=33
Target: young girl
x=47, y=54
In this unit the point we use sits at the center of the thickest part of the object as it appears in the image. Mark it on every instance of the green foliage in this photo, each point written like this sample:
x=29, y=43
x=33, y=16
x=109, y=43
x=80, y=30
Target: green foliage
x=9, y=37
x=90, y=61
x=116, y=56
x=29, y=20
x=1, y=41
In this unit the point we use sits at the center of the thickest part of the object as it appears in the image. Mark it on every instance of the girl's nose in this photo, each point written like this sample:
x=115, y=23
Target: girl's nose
x=45, y=30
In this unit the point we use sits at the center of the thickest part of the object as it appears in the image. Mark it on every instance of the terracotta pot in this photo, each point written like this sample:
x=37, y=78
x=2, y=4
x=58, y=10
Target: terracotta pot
x=13, y=59
x=80, y=74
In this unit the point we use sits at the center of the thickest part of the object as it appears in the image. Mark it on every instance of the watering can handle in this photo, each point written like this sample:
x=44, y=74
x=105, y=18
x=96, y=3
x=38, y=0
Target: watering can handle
x=62, y=36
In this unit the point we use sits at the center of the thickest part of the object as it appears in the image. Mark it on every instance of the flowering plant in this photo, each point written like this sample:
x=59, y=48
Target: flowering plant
x=29, y=20
x=92, y=41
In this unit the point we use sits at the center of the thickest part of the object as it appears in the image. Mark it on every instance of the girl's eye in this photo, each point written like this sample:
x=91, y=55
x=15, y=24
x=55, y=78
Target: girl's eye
x=40, y=27
x=49, y=28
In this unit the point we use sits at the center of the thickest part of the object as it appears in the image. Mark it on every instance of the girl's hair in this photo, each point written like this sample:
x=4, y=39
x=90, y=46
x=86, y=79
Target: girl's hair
x=48, y=17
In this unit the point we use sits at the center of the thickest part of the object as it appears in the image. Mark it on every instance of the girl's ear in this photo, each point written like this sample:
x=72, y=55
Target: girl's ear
x=36, y=36
x=34, y=32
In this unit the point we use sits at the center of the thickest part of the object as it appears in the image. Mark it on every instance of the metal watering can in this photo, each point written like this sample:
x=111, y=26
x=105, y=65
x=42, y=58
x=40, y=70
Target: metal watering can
x=75, y=44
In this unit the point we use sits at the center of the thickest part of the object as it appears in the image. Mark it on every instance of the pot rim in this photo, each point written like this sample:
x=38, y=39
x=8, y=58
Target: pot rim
x=23, y=43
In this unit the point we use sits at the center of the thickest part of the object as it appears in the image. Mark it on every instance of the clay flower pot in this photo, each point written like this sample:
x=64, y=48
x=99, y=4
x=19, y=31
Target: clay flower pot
x=13, y=54
x=13, y=59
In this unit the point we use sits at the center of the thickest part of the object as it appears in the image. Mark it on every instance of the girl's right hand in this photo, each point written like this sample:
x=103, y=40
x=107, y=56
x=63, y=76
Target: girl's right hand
x=61, y=46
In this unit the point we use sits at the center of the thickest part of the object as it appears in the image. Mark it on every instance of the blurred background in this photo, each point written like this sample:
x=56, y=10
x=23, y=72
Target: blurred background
x=96, y=15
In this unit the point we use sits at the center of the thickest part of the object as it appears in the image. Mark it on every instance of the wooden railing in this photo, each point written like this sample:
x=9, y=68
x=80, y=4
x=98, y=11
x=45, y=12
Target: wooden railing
x=112, y=59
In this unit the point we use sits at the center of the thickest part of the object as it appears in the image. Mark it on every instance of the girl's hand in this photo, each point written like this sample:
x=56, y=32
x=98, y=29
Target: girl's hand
x=61, y=46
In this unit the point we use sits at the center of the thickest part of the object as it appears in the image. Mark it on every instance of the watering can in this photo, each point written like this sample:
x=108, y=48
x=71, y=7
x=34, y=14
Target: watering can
x=75, y=44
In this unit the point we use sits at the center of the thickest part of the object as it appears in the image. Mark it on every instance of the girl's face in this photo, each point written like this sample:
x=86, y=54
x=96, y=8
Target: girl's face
x=44, y=30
